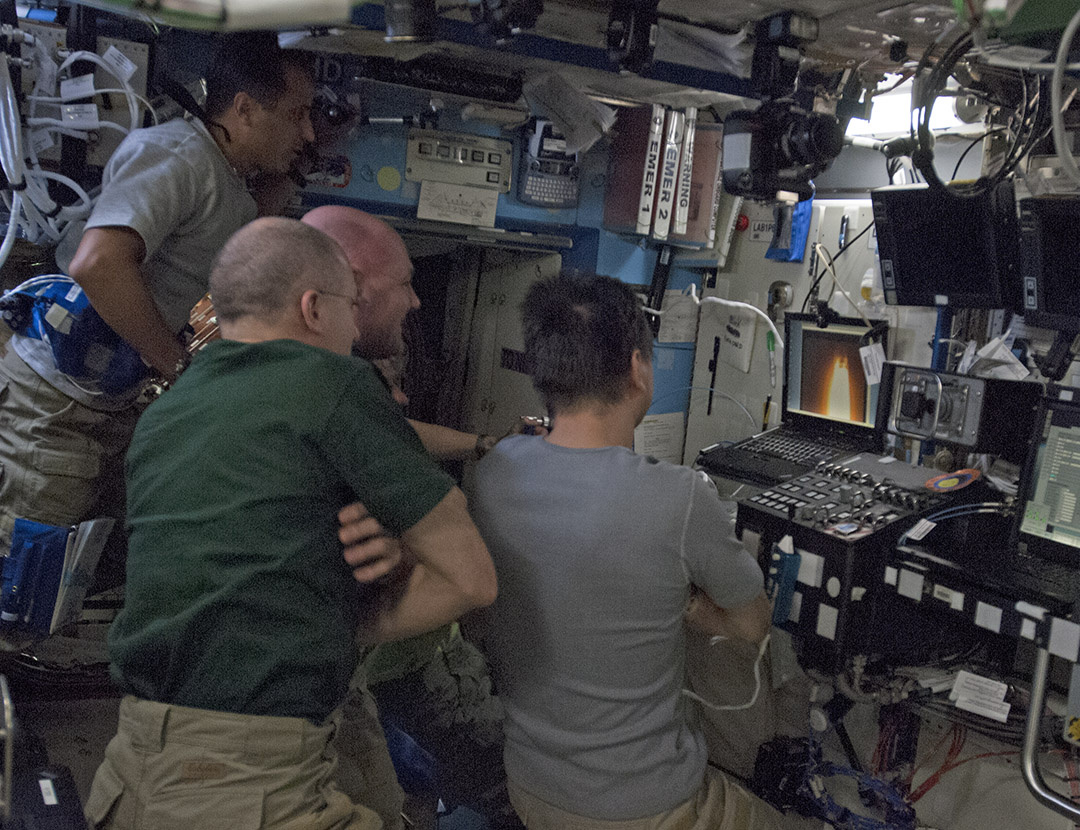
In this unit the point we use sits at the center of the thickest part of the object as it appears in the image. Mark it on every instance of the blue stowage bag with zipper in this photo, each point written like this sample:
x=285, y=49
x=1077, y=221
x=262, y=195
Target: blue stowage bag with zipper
x=56, y=310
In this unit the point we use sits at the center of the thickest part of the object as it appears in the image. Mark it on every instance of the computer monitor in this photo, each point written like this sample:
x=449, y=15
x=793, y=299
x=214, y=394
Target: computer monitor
x=940, y=249
x=1050, y=262
x=825, y=383
x=1049, y=521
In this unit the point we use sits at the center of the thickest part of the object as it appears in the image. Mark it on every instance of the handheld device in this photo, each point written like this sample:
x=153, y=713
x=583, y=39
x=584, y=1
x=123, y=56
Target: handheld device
x=549, y=174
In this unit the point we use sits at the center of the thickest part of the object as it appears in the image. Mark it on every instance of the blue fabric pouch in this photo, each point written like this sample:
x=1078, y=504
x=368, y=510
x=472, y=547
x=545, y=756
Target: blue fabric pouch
x=31, y=575
x=791, y=232
x=56, y=310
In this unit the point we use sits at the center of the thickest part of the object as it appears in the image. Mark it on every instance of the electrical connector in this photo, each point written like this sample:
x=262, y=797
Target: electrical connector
x=13, y=34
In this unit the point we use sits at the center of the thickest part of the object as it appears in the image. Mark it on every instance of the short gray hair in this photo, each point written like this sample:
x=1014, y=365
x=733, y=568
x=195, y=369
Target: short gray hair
x=268, y=263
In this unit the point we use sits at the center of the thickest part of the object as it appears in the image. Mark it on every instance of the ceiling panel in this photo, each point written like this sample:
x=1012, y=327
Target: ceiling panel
x=711, y=71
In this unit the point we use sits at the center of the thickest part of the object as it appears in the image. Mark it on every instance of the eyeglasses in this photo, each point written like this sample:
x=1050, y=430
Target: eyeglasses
x=354, y=301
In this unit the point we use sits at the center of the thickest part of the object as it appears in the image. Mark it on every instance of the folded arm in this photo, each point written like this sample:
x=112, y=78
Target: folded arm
x=451, y=572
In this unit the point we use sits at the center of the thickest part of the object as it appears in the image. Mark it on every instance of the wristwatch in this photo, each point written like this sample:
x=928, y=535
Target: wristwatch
x=483, y=444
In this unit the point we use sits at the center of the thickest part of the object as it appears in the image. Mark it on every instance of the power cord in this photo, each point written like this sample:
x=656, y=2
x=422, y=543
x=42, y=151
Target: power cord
x=757, y=681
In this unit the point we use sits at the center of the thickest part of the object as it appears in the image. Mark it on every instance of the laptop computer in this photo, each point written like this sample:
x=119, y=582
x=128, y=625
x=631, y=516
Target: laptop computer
x=829, y=410
x=1046, y=534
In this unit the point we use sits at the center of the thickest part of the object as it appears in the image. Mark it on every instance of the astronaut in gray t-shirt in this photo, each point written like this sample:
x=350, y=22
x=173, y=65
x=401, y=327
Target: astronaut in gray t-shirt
x=171, y=195
x=600, y=553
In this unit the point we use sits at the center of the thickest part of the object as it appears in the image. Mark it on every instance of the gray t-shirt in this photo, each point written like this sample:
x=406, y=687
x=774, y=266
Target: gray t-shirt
x=596, y=550
x=172, y=185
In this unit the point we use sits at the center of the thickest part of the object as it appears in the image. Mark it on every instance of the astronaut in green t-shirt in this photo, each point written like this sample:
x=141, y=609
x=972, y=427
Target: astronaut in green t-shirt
x=241, y=615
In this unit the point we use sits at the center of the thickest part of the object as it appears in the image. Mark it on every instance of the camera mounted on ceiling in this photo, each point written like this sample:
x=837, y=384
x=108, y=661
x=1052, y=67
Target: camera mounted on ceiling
x=782, y=145
x=502, y=19
x=631, y=34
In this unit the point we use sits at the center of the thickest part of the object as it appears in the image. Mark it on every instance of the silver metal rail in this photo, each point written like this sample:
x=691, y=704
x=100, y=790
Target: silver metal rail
x=7, y=735
x=1028, y=759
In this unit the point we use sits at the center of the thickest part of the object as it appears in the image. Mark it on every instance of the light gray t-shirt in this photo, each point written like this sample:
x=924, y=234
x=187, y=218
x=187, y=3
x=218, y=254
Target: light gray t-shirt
x=172, y=185
x=596, y=550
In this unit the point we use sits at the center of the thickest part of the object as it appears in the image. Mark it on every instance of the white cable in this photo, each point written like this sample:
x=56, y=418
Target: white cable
x=954, y=512
x=34, y=212
x=57, y=122
x=129, y=93
x=691, y=293
x=1057, y=117
x=757, y=682
x=731, y=398
x=44, y=279
x=9, y=236
x=55, y=99
x=832, y=272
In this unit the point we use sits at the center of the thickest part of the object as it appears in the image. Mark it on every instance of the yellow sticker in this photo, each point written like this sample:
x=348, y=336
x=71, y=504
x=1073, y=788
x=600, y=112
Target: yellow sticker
x=388, y=178
x=1074, y=729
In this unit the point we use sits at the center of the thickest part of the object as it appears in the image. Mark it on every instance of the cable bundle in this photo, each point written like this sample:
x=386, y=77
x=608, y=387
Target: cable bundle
x=1030, y=123
x=26, y=195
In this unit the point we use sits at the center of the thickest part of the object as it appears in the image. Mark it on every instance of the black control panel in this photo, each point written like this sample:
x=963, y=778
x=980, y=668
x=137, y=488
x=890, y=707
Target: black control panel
x=845, y=519
x=852, y=498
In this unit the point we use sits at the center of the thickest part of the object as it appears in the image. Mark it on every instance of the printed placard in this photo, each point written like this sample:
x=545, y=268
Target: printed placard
x=119, y=63
x=80, y=116
x=73, y=89
x=873, y=358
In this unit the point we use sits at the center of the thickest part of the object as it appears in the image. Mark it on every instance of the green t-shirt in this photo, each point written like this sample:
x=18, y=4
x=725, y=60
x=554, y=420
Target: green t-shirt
x=238, y=598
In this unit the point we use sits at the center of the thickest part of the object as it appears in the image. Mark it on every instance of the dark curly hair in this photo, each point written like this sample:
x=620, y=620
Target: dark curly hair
x=580, y=333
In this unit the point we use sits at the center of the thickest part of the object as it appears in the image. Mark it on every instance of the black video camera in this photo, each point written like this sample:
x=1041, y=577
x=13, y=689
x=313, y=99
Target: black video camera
x=778, y=147
x=782, y=144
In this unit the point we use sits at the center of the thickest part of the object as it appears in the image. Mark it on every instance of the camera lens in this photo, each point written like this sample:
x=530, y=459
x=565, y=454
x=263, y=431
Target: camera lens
x=813, y=139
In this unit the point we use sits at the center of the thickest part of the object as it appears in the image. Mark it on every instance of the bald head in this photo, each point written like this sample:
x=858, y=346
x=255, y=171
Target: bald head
x=267, y=280
x=382, y=270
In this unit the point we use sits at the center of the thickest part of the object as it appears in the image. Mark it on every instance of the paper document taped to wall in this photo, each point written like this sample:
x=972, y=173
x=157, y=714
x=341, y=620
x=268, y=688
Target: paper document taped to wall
x=737, y=337
x=661, y=436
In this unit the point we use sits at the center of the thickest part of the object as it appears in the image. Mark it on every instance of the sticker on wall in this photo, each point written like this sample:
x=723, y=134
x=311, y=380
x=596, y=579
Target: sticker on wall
x=761, y=230
x=389, y=178
x=330, y=171
x=679, y=323
x=457, y=203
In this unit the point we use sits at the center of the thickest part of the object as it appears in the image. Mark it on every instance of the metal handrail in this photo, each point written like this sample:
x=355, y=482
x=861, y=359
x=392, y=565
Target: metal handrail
x=7, y=735
x=1028, y=763
x=922, y=436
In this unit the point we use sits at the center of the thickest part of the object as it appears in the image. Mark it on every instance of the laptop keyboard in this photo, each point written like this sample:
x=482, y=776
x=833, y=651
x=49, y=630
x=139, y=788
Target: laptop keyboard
x=791, y=448
x=1045, y=576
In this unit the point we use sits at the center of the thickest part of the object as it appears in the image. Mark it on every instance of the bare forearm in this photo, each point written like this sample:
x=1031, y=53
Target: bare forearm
x=444, y=443
x=427, y=602
x=748, y=622
x=134, y=317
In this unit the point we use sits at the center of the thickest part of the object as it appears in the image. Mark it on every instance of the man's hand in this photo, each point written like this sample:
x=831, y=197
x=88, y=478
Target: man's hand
x=749, y=622
x=446, y=571
x=531, y=425
x=369, y=551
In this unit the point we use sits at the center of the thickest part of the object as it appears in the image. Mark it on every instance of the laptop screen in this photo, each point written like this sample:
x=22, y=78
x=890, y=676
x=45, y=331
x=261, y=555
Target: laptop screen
x=1050, y=489
x=825, y=381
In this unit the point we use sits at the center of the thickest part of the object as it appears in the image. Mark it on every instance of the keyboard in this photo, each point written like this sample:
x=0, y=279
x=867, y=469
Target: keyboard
x=1051, y=579
x=743, y=465
x=790, y=448
x=773, y=457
